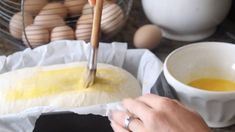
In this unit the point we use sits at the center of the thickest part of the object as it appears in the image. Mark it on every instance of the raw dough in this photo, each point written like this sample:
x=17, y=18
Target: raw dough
x=62, y=86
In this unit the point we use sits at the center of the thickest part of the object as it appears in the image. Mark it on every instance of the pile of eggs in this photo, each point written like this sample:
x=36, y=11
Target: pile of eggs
x=42, y=21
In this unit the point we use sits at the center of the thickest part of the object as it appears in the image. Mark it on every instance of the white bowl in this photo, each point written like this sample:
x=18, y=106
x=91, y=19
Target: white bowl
x=186, y=20
x=204, y=60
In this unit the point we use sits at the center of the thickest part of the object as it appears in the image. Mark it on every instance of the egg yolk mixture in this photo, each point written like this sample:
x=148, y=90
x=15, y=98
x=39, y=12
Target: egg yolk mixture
x=47, y=83
x=213, y=84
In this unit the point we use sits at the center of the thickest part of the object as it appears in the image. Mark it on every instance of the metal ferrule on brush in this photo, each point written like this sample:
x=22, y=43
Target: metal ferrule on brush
x=92, y=64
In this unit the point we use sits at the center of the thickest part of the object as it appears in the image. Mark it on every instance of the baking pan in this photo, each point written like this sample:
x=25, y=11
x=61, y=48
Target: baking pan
x=71, y=122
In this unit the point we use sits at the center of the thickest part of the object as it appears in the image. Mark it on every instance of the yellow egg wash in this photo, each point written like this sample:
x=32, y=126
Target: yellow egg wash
x=52, y=82
x=213, y=84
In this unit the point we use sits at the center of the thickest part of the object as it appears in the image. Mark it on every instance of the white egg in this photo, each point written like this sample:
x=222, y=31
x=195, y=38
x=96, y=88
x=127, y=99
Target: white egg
x=36, y=35
x=49, y=21
x=55, y=8
x=148, y=36
x=62, y=33
x=84, y=28
x=112, y=18
x=75, y=6
x=16, y=24
x=34, y=6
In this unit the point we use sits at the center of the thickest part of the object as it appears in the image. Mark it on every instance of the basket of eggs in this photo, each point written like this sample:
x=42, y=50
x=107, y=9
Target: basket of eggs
x=31, y=23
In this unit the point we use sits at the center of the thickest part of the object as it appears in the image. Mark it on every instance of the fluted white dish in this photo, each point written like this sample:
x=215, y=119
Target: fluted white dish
x=204, y=60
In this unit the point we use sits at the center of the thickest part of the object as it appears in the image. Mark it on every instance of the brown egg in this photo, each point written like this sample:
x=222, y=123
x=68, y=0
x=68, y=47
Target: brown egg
x=75, y=6
x=87, y=9
x=112, y=18
x=85, y=18
x=84, y=28
x=113, y=1
x=16, y=24
x=83, y=32
x=62, y=33
x=55, y=8
x=49, y=21
x=147, y=36
x=34, y=6
x=36, y=35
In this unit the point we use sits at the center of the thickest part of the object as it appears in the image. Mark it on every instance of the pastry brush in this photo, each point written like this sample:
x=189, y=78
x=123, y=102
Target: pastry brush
x=95, y=35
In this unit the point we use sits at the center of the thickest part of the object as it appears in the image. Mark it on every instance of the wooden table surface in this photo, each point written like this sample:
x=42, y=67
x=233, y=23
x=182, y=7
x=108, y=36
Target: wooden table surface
x=137, y=18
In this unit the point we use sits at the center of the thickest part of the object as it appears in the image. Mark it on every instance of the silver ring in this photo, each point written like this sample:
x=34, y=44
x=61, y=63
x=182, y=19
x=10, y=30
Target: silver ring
x=127, y=121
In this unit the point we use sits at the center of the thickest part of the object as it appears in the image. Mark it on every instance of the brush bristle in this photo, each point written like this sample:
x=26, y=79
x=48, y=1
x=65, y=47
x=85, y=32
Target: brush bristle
x=90, y=78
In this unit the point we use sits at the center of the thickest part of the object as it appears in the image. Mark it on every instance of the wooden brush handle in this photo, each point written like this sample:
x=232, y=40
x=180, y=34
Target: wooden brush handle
x=95, y=35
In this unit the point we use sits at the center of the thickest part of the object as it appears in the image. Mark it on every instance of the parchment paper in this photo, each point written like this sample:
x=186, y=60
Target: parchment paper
x=141, y=63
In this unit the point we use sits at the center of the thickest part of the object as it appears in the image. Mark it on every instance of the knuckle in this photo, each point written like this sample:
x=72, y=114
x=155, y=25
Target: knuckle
x=168, y=105
x=153, y=116
x=167, y=102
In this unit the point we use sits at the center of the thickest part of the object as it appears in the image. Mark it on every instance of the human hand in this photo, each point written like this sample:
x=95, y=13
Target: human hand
x=154, y=113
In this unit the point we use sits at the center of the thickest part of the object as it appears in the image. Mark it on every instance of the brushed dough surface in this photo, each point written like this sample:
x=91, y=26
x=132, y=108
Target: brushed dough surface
x=62, y=86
